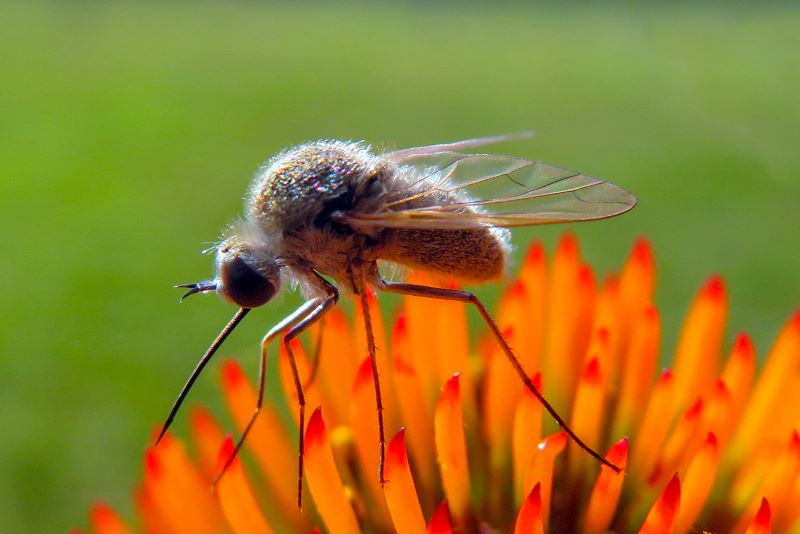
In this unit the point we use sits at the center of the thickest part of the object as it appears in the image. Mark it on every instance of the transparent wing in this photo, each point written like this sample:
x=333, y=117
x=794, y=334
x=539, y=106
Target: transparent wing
x=406, y=154
x=449, y=190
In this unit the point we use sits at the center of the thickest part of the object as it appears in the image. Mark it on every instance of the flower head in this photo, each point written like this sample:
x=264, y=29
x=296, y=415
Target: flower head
x=703, y=444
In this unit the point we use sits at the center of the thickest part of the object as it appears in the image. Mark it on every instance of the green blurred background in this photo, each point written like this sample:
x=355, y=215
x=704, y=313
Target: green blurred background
x=129, y=132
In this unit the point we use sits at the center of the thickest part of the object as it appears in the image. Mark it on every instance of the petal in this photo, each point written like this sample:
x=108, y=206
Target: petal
x=364, y=425
x=418, y=416
x=236, y=497
x=606, y=490
x=661, y=517
x=267, y=440
x=106, y=521
x=440, y=521
x=530, y=518
x=569, y=322
x=540, y=469
x=400, y=492
x=697, y=356
x=697, y=484
x=323, y=479
x=526, y=433
x=451, y=448
x=179, y=491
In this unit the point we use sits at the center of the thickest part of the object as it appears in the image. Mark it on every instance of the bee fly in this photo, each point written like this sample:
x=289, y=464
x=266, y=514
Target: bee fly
x=334, y=209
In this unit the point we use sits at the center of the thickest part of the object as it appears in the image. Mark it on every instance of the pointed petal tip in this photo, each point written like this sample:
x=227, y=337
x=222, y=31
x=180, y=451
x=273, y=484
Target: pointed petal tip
x=714, y=287
x=672, y=493
x=642, y=251
x=592, y=373
x=232, y=374
x=152, y=464
x=535, y=253
x=316, y=433
x=364, y=374
x=396, y=453
x=568, y=245
x=764, y=515
x=452, y=388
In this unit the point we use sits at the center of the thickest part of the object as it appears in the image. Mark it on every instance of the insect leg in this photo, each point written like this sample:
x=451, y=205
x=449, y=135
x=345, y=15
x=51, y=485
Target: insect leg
x=288, y=322
x=466, y=297
x=293, y=332
x=376, y=380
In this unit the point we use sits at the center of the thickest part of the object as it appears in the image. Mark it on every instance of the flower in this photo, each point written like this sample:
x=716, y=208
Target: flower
x=702, y=445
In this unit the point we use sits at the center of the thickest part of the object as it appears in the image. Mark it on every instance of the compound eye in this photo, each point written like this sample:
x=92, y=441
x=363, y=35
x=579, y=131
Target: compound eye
x=243, y=285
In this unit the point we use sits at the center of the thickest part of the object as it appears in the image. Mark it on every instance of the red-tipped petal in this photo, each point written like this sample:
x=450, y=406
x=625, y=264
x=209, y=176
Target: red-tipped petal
x=440, y=521
x=106, y=521
x=662, y=515
x=529, y=519
x=762, y=523
x=400, y=492
x=606, y=490
x=323, y=478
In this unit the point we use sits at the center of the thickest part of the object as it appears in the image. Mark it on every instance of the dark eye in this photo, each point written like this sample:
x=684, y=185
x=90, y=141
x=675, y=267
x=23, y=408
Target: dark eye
x=245, y=286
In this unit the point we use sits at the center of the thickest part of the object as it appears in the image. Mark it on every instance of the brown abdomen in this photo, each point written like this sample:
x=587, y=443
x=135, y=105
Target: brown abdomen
x=470, y=255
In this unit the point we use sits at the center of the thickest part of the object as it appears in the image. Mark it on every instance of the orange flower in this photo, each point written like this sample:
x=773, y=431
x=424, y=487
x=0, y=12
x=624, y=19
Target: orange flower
x=702, y=445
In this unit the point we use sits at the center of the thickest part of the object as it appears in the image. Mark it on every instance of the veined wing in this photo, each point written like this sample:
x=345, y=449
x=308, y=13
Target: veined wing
x=449, y=190
x=407, y=154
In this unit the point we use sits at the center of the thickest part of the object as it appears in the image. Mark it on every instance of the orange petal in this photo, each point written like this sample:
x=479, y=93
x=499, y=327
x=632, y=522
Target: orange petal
x=400, y=492
x=513, y=314
x=697, y=356
x=636, y=284
x=662, y=515
x=206, y=435
x=769, y=392
x=527, y=432
x=180, y=492
x=530, y=518
x=323, y=479
x=450, y=343
x=605, y=340
x=587, y=414
x=148, y=512
x=681, y=443
x=638, y=366
x=364, y=424
x=451, y=448
x=267, y=440
x=337, y=366
x=106, y=521
x=440, y=521
x=655, y=426
x=718, y=414
x=392, y=412
x=540, y=469
x=236, y=497
x=606, y=490
x=418, y=313
x=533, y=274
x=417, y=415
x=697, y=484
x=501, y=389
x=569, y=320
x=777, y=485
x=762, y=523
x=738, y=372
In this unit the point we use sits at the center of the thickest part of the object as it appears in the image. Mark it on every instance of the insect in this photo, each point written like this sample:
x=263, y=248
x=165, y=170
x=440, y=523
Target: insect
x=329, y=211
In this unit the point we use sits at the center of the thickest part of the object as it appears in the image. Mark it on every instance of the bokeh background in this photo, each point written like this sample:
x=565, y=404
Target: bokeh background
x=129, y=132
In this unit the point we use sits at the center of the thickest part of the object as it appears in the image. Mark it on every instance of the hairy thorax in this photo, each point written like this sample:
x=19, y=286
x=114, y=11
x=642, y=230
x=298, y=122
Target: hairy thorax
x=298, y=194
